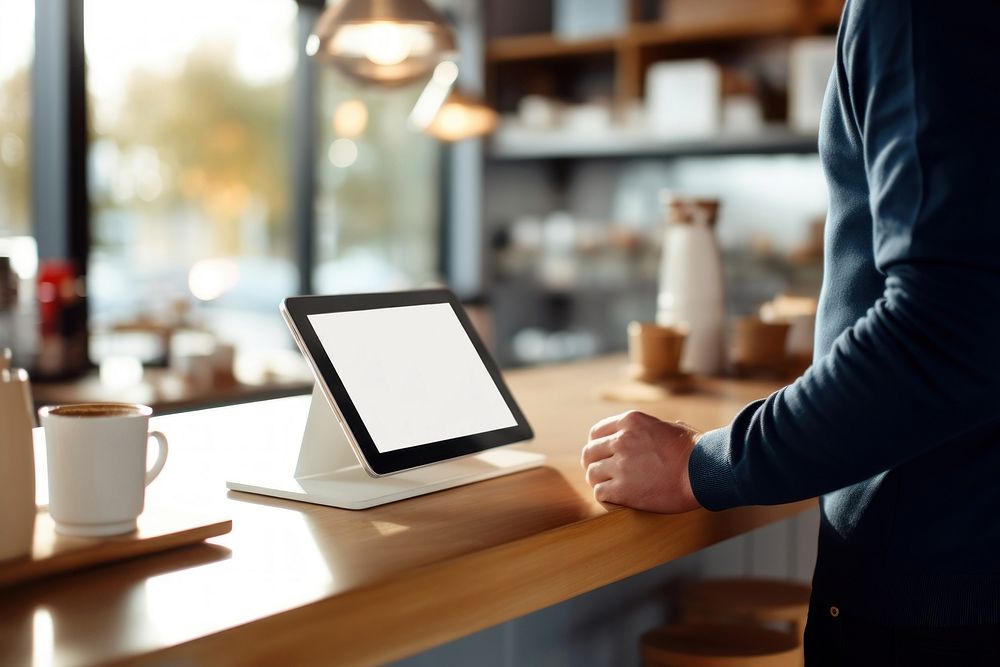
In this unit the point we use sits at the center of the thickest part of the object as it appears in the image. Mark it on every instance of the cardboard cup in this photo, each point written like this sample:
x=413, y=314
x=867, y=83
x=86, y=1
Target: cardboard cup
x=758, y=344
x=654, y=351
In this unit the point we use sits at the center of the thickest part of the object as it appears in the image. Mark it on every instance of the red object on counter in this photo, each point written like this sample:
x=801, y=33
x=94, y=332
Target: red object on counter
x=56, y=281
x=62, y=313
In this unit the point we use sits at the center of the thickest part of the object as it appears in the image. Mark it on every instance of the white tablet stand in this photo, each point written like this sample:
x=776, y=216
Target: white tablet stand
x=328, y=472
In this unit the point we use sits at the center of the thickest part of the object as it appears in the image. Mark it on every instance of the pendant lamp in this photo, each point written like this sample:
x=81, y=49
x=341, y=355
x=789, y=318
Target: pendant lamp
x=449, y=114
x=384, y=42
x=462, y=116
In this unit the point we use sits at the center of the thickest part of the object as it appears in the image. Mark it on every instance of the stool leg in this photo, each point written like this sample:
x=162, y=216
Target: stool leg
x=799, y=630
x=799, y=627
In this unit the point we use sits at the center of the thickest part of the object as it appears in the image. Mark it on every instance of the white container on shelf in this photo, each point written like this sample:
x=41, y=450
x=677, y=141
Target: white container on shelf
x=742, y=116
x=683, y=99
x=538, y=112
x=582, y=119
x=691, y=284
x=17, y=462
x=811, y=61
x=587, y=18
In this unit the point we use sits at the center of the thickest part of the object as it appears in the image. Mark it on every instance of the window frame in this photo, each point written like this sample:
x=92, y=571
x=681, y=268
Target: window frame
x=61, y=207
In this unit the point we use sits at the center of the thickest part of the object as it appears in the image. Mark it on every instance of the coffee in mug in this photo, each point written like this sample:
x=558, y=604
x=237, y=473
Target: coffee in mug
x=97, y=458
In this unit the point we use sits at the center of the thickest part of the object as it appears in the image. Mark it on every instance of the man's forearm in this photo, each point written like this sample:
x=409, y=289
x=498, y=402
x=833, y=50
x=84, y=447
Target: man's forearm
x=916, y=372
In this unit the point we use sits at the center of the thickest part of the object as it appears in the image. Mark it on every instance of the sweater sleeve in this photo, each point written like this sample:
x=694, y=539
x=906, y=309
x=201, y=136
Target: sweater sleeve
x=922, y=367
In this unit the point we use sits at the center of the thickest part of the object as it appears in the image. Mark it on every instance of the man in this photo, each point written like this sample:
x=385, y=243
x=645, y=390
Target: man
x=897, y=423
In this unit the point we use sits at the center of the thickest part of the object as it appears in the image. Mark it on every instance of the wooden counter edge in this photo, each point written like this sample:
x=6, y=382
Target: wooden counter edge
x=437, y=603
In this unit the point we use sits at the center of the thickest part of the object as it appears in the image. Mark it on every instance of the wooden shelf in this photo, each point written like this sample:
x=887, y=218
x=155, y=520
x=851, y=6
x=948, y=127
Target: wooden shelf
x=518, y=144
x=663, y=34
x=827, y=12
x=548, y=46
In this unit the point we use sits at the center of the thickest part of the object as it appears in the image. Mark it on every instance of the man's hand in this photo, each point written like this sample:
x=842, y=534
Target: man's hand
x=636, y=460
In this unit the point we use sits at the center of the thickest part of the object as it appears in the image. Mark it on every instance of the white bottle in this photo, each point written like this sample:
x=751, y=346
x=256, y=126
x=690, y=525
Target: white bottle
x=17, y=462
x=691, y=283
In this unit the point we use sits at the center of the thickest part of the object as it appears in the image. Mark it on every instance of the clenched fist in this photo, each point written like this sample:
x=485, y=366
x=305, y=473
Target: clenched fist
x=639, y=461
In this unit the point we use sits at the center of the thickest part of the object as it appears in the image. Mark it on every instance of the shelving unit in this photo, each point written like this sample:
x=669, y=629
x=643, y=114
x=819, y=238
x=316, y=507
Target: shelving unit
x=533, y=172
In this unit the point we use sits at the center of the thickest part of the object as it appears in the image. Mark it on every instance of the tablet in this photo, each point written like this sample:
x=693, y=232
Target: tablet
x=407, y=376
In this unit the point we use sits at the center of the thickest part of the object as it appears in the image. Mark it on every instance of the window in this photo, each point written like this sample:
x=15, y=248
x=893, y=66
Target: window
x=189, y=161
x=17, y=28
x=377, y=210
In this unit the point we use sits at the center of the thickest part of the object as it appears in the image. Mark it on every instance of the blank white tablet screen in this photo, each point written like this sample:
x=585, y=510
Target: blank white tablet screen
x=413, y=374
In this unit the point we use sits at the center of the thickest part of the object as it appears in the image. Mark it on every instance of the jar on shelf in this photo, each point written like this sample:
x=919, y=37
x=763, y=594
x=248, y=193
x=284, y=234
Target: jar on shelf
x=691, y=282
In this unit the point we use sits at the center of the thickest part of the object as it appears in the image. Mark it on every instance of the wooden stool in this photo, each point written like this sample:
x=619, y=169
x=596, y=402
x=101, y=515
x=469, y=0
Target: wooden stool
x=707, y=645
x=755, y=601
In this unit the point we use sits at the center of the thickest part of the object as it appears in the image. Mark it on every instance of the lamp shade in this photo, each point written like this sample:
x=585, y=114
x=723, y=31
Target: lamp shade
x=386, y=42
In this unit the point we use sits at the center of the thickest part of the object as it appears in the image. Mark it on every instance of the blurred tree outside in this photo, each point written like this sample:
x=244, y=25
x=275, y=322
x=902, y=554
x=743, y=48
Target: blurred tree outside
x=202, y=142
x=15, y=158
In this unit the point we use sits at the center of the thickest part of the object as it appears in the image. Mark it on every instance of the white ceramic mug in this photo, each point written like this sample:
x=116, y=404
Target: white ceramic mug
x=97, y=455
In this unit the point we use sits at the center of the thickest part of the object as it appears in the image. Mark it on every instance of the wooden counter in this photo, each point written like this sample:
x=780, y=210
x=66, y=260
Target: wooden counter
x=304, y=584
x=163, y=391
x=277, y=374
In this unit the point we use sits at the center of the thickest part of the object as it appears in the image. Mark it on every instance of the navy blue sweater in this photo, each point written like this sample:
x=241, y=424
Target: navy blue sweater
x=897, y=423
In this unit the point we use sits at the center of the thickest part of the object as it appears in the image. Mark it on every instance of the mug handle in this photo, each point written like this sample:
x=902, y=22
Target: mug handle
x=161, y=456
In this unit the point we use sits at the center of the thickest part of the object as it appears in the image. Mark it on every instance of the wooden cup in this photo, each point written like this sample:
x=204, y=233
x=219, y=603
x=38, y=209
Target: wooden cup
x=654, y=351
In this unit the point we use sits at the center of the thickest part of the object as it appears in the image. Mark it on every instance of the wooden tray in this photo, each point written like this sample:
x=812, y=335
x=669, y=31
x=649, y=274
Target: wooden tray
x=159, y=530
x=634, y=391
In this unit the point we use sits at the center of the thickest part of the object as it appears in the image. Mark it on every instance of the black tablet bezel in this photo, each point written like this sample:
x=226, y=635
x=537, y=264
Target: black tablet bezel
x=298, y=309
